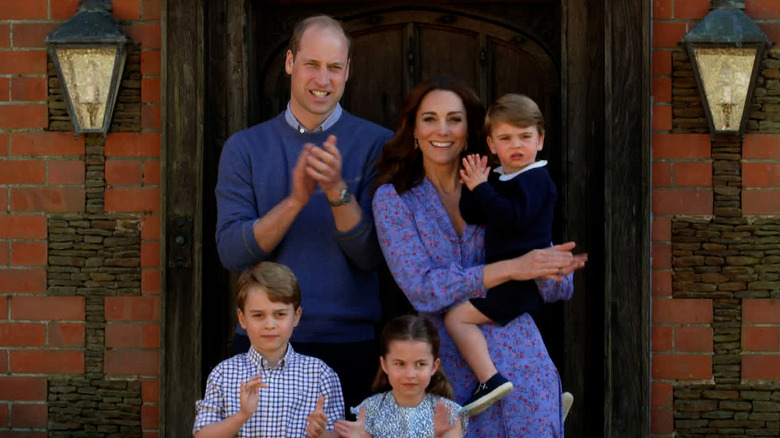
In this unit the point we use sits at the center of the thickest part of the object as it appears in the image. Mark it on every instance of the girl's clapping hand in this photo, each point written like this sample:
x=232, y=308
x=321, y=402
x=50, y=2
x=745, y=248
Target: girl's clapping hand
x=353, y=429
x=441, y=423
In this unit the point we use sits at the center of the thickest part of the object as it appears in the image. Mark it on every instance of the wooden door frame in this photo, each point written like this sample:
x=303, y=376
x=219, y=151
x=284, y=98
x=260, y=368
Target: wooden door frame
x=606, y=64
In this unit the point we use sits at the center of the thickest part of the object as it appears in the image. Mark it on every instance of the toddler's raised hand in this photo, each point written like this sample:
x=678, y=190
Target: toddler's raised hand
x=250, y=394
x=475, y=170
x=353, y=429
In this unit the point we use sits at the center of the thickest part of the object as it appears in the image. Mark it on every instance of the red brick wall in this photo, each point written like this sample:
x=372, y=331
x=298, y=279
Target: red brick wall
x=682, y=335
x=43, y=172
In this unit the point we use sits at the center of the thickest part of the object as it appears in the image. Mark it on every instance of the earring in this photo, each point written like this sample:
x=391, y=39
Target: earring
x=416, y=143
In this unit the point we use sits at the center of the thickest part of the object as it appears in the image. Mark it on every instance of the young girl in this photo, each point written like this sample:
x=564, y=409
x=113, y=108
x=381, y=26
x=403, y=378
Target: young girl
x=414, y=397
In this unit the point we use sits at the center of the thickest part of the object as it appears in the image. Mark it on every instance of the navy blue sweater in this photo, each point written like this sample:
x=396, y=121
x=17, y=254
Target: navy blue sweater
x=336, y=271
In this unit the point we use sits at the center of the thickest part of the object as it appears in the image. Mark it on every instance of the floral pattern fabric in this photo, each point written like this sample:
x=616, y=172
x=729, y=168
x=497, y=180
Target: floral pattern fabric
x=438, y=269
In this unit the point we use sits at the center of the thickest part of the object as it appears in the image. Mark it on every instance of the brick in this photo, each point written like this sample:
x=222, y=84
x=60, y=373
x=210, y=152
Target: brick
x=47, y=199
x=150, y=117
x=3, y=199
x=662, y=62
x=4, y=414
x=4, y=258
x=5, y=143
x=3, y=308
x=22, y=172
x=150, y=390
x=693, y=9
x=682, y=366
x=22, y=281
x=124, y=173
x=761, y=201
x=682, y=311
x=772, y=30
x=693, y=339
x=761, y=147
x=662, y=283
x=150, y=254
x=27, y=62
x=661, y=421
x=65, y=172
x=762, y=10
x=143, y=200
x=150, y=434
x=29, y=416
x=150, y=227
x=681, y=146
x=66, y=335
x=63, y=9
x=22, y=335
x=668, y=34
x=123, y=144
x=5, y=35
x=662, y=117
x=150, y=90
x=692, y=174
x=150, y=282
x=127, y=9
x=682, y=202
x=761, y=367
x=662, y=228
x=150, y=417
x=662, y=9
x=3, y=361
x=661, y=255
x=661, y=394
x=46, y=144
x=151, y=173
x=662, y=89
x=28, y=254
x=22, y=226
x=5, y=89
x=150, y=9
x=662, y=174
x=761, y=339
x=761, y=311
x=23, y=116
x=32, y=34
x=132, y=309
x=662, y=338
x=47, y=308
x=760, y=174
x=148, y=34
x=123, y=335
x=132, y=362
x=150, y=63
x=22, y=388
x=150, y=336
x=21, y=434
x=24, y=10
x=47, y=361
x=29, y=89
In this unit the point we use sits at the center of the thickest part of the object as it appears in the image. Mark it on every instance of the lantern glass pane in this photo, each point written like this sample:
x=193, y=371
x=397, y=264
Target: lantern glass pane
x=87, y=75
x=725, y=74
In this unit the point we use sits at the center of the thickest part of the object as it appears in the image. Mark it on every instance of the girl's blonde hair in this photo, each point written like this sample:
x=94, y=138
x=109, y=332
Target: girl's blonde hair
x=412, y=328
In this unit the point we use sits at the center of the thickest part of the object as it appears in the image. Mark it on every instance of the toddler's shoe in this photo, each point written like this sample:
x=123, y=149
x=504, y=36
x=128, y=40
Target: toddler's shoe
x=487, y=393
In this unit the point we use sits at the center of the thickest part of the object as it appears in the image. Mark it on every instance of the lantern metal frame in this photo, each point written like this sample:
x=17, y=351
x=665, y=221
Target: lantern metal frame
x=726, y=26
x=91, y=27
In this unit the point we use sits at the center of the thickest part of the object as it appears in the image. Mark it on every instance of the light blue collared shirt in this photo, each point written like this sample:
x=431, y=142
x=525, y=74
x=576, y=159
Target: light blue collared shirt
x=330, y=121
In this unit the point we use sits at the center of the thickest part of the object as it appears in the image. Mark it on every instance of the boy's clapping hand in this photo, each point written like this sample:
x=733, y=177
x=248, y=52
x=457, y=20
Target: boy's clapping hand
x=250, y=394
x=475, y=171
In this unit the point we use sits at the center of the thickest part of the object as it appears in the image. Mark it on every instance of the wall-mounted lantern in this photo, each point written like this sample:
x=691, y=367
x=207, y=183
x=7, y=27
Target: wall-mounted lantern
x=726, y=49
x=89, y=52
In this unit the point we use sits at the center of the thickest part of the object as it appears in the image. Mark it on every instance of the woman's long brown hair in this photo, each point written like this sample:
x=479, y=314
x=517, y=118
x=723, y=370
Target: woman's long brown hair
x=412, y=328
x=401, y=163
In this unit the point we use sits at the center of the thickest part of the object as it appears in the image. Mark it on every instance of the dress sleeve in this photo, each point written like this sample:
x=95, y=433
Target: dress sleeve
x=552, y=290
x=212, y=408
x=426, y=274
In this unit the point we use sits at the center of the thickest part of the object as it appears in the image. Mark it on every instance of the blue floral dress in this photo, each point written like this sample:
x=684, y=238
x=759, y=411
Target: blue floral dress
x=386, y=419
x=438, y=269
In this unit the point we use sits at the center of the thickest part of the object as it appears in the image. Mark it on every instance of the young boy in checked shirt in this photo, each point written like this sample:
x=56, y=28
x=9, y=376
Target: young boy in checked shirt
x=269, y=391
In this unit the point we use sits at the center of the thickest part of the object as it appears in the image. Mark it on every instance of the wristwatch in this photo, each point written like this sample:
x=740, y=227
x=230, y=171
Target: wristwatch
x=344, y=198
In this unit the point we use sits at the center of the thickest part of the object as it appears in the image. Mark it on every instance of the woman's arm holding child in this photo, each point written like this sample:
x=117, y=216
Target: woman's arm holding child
x=229, y=427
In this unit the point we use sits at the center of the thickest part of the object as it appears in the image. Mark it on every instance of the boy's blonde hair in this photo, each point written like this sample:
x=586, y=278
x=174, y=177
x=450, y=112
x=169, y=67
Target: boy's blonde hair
x=514, y=109
x=278, y=281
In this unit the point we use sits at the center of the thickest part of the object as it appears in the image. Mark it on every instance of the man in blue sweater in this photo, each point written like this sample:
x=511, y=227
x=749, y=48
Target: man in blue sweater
x=296, y=189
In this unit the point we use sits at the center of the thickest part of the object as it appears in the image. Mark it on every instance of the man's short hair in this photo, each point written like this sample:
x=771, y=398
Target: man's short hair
x=323, y=21
x=516, y=110
x=278, y=281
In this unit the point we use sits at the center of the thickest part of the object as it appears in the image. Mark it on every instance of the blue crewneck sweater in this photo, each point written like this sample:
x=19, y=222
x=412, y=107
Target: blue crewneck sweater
x=336, y=271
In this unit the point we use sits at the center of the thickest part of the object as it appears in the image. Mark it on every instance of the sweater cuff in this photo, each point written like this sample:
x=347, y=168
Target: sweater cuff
x=250, y=243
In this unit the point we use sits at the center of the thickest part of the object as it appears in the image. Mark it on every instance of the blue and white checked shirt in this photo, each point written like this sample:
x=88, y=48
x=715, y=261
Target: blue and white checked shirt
x=294, y=385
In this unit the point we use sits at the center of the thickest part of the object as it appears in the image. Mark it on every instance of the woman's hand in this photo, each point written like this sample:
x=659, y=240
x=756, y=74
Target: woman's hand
x=441, y=423
x=353, y=429
x=553, y=263
x=475, y=171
